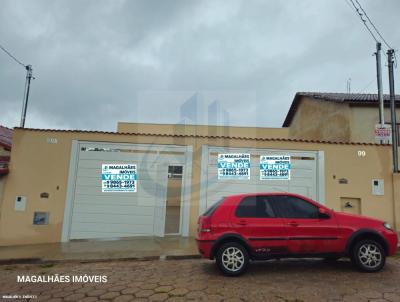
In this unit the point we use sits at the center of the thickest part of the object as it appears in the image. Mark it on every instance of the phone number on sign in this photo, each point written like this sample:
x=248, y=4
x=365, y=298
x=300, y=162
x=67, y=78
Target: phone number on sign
x=235, y=172
x=119, y=184
x=275, y=172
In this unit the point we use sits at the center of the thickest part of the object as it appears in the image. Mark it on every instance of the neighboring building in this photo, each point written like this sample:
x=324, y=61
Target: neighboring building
x=5, y=148
x=54, y=188
x=336, y=117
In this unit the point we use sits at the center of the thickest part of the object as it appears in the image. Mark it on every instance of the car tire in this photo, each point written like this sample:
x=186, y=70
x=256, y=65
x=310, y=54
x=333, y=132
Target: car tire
x=232, y=259
x=368, y=255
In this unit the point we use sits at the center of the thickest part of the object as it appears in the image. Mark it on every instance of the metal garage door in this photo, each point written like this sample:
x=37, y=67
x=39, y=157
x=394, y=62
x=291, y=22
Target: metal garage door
x=95, y=214
x=304, y=177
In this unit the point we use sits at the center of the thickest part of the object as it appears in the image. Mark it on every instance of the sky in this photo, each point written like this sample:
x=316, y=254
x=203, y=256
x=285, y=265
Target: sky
x=98, y=62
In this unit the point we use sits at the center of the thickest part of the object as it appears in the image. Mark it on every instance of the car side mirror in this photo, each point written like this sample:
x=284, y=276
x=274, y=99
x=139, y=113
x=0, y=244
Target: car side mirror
x=323, y=213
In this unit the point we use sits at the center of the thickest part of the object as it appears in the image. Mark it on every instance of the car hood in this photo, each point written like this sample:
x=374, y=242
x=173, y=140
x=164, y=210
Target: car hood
x=358, y=218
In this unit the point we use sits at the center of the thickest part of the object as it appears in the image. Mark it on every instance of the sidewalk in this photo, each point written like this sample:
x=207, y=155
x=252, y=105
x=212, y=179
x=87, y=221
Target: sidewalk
x=133, y=248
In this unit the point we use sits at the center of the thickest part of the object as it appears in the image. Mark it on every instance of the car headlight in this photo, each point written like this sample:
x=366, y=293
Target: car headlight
x=387, y=226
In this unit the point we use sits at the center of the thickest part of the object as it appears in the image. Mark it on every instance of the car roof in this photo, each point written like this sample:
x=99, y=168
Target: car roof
x=267, y=193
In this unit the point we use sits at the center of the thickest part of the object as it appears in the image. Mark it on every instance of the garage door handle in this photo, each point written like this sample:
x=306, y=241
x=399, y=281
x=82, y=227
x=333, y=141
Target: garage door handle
x=293, y=223
x=242, y=222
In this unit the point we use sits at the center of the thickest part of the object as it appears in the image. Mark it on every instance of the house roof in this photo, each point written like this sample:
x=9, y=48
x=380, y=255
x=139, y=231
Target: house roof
x=5, y=137
x=359, y=99
x=204, y=136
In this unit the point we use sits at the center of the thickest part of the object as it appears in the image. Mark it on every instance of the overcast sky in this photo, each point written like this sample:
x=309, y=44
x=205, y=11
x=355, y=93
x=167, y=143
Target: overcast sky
x=100, y=62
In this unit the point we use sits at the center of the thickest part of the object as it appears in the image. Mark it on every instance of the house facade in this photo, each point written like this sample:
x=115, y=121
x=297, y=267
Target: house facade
x=54, y=190
x=336, y=117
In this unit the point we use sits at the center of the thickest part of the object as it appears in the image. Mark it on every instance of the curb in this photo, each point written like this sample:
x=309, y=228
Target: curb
x=99, y=260
x=20, y=261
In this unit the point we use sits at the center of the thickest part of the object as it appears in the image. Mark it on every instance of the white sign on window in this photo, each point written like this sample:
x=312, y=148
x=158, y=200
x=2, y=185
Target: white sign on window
x=383, y=133
x=119, y=178
x=234, y=166
x=274, y=167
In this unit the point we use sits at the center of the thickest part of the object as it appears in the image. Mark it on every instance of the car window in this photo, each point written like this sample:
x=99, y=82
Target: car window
x=293, y=207
x=256, y=207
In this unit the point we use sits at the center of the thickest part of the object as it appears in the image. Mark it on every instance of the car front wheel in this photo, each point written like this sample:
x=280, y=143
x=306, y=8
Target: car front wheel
x=369, y=255
x=232, y=259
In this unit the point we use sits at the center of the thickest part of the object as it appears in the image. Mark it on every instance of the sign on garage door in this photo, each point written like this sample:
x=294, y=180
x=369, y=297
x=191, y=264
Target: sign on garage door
x=122, y=211
x=304, y=178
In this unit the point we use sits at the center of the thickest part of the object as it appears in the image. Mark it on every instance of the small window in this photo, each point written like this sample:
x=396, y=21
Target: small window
x=293, y=207
x=41, y=218
x=212, y=208
x=175, y=171
x=256, y=207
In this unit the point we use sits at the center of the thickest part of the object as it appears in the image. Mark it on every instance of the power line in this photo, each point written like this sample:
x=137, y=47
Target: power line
x=367, y=86
x=360, y=14
x=14, y=58
x=373, y=25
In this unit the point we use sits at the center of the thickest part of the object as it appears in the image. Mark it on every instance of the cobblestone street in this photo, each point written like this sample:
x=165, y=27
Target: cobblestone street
x=199, y=280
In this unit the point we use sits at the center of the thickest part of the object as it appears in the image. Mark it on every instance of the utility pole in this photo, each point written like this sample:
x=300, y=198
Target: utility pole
x=26, y=94
x=379, y=81
x=390, y=54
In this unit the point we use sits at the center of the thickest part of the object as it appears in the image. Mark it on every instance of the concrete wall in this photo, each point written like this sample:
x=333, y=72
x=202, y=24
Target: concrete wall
x=181, y=129
x=39, y=166
x=332, y=121
x=363, y=121
x=320, y=120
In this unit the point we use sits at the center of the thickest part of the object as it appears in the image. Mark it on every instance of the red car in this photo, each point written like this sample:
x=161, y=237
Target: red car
x=264, y=226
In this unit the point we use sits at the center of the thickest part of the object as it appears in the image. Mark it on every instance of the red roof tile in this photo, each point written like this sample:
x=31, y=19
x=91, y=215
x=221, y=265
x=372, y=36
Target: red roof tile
x=5, y=137
x=205, y=136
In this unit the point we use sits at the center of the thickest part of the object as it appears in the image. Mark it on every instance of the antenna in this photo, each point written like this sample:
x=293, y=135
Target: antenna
x=348, y=85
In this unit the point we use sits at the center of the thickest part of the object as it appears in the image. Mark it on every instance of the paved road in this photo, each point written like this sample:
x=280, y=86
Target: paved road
x=199, y=280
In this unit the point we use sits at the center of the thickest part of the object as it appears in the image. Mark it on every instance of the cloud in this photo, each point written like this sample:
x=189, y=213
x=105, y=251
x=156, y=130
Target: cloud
x=100, y=62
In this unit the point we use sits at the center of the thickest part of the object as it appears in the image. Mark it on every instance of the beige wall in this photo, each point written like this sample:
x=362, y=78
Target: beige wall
x=331, y=121
x=180, y=129
x=37, y=166
x=320, y=120
x=363, y=121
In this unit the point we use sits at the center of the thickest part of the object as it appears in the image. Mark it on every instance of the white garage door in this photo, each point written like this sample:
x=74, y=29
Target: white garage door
x=304, y=177
x=95, y=214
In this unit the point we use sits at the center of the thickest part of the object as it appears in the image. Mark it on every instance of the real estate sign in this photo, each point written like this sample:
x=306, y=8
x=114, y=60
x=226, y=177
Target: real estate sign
x=234, y=166
x=275, y=167
x=119, y=178
x=383, y=133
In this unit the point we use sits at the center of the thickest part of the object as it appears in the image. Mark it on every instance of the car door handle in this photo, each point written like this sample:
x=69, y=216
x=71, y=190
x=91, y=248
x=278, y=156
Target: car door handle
x=293, y=223
x=242, y=222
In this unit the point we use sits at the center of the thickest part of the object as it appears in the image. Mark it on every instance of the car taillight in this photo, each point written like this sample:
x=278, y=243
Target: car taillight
x=204, y=224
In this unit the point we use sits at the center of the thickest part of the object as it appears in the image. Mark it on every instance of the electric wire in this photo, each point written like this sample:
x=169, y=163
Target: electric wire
x=373, y=25
x=360, y=14
x=13, y=57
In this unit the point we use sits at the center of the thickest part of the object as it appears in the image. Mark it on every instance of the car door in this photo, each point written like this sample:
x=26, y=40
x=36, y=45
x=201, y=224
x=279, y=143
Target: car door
x=308, y=232
x=256, y=221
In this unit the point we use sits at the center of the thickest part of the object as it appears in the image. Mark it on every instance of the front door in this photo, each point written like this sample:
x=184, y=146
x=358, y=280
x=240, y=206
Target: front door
x=307, y=232
x=256, y=221
x=174, y=199
x=160, y=200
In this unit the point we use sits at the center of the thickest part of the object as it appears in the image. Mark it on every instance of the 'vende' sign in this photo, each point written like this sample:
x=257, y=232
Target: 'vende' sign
x=119, y=178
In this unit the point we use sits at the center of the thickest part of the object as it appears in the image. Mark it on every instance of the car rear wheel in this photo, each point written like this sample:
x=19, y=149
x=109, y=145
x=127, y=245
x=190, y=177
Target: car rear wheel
x=232, y=259
x=368, y=255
